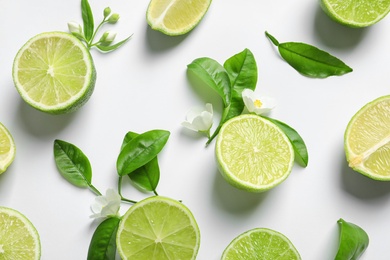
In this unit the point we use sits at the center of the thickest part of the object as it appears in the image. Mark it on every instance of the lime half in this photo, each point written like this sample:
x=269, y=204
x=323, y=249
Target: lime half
x=7, y=148
x=261, y=243
x=18, y=237
x=356, y=13
x=176, y=17
x=54, y=72
x=158, y=228
x=367, y=140
x=253, y=154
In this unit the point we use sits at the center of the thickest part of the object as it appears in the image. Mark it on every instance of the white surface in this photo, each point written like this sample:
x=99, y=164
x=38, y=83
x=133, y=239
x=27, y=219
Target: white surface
x=143, y=86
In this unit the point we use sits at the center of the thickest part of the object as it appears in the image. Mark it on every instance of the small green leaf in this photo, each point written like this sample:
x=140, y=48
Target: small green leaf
x=141, y=150
x=103, y=242
x=112, y=47
x=353, y=241
x=88, y=22
x=72, y=163
x=309, y=60
x=300, y=150
x=147, y=176
x=214, y=75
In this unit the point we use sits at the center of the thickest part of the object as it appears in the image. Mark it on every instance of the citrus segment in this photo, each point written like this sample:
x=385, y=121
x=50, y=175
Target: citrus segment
x=18, y=237
x=7, y=148
x=176, y=17
x=253, y=154
x=356, y=13
x=261, y=243
x=367, y=140
x=158, y=228
x=54, y=72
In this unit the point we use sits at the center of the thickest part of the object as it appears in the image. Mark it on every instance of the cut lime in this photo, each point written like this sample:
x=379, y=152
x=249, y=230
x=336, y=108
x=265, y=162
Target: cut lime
x=54, y=72
x=176, y=17
x=367, y=140
x=356, y=13
x=158, y=228
x=18, y=237
x=261, y=243
x=7, y=148
x=253, y=154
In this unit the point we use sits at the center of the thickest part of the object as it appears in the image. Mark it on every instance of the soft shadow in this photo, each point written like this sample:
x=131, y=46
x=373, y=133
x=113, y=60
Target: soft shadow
x=157, y=41
x=334, y=34
x=39, y=123
x=234, y=200
x=361, y=186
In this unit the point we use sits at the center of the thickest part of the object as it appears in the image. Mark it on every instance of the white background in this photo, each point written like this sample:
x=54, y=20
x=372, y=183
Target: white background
x=144, y=86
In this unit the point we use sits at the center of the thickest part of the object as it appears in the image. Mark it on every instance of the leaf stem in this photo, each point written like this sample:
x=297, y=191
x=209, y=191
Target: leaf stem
x=273, y=39
x=90, y=43
x=94, y=190
x=120, y=192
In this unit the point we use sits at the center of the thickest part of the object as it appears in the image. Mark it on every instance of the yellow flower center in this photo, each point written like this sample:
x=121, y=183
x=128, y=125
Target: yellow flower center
x=257, y=103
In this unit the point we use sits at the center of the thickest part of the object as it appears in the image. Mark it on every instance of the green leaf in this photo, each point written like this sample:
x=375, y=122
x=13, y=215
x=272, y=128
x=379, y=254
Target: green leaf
x=309, y=60
x=72, y=164
x=103, y=242
x=300, y=150
x=353, y=241
x=147, y=176
x=214, y=75
x=112, y=47
x=88, y=22
x=141, y=150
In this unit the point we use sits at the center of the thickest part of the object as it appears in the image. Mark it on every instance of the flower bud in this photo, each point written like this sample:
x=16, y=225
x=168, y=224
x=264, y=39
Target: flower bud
x=107, y=12
x=113, y=18
x=75, y=28
x=108, y=37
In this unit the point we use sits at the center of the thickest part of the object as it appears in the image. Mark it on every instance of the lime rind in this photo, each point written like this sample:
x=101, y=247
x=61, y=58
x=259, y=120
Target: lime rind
x=234, y=180
x=369, y=14
x=76, y=100
x=167, y=26
x=369, y=158
x=149, y=231
x=251, y=243
x=10, y=153
x=32, y=231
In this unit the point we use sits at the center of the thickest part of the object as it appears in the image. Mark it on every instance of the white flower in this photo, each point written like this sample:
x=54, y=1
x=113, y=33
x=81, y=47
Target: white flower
x=74, y=27
x=257, y=105
x=106, y=206
x=199, y=119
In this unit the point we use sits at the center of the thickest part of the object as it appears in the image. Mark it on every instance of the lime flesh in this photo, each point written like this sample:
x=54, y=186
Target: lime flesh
x=261, y=243
x=253, y=154
x=367, y=140
x=54, y=72
x=176, y=17
x=7, y=148
x=18, y=237
x=158, y=228
x=356, y=13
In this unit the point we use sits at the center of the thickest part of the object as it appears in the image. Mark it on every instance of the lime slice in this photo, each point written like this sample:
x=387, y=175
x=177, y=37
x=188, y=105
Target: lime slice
x=253, y=154
x=261, y=243
x=176, y=17
x=367, y=140
x=7, y=148
x=54, y=72
x=18, y=237
x=158, y=228
x=356, y=13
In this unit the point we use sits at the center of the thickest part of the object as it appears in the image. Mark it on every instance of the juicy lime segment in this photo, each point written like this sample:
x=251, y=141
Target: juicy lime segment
x=367, y=140
x=158, y=228
x=54, y=72
x=176, y=17
x=253, y=154
x=356, y=13
x=261, y=243
x=18, y=237
x=7, y=148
